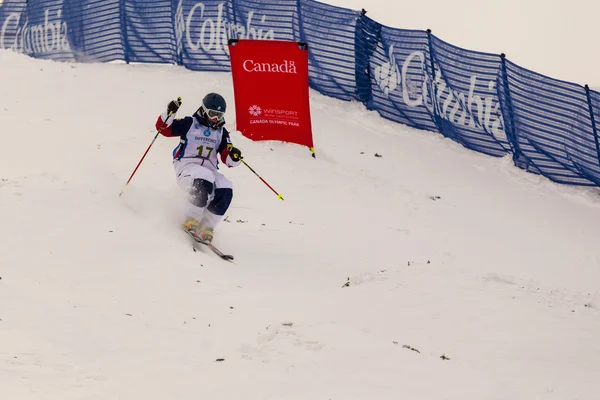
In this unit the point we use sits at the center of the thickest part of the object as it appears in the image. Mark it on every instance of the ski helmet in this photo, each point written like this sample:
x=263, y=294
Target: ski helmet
x=213, y=110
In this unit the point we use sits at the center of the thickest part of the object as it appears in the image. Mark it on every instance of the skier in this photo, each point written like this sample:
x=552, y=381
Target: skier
x=195, y=159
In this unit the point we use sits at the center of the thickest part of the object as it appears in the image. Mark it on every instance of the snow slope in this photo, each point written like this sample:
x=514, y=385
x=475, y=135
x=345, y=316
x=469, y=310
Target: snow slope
x=354, y=287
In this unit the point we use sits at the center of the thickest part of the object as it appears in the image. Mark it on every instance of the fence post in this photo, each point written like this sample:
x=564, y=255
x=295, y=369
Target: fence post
x=591, y=108
x=509, y=125
x=300, y=24
x=363, y=12
x=177, y=21
x=434, y=102
x=432, y=64
x=233, y=8
x=367, y=34
x=124, y=38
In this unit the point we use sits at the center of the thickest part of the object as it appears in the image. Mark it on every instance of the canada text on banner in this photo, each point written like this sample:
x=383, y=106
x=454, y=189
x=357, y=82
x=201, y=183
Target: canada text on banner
x=270, y=83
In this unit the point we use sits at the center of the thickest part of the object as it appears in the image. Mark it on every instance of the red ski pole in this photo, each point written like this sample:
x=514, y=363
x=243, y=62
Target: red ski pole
x=148, y=149
x=280, y=197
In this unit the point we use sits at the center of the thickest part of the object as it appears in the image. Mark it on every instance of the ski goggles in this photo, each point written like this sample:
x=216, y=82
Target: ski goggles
x=215, y=114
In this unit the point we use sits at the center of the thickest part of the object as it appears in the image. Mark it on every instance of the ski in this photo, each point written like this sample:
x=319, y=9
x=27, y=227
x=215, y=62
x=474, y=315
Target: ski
x=196, y=242
x=218, y=252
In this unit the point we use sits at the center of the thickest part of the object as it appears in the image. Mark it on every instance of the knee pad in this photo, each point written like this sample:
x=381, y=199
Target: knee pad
x=200, y=192
x=221, y=202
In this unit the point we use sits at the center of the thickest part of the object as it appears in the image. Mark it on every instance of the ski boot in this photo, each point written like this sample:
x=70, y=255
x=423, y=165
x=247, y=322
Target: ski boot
x=206, y=235
x=192, y=227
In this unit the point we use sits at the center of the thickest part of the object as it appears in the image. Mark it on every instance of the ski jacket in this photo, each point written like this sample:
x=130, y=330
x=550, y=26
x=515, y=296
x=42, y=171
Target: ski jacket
x=198, y=142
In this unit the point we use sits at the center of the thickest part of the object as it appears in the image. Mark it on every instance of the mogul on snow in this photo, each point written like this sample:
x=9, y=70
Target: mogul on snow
x=203, y=139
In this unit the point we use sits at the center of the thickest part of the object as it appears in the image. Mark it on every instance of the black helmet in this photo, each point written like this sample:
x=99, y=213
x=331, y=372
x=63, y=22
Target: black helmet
x=213, y=110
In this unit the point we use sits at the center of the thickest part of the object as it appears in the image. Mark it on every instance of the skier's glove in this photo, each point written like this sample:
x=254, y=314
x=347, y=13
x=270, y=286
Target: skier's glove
x=174, y=106
x=236, y=154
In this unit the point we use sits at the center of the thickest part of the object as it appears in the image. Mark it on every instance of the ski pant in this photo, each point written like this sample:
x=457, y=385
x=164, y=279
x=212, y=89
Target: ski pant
x=209, y=192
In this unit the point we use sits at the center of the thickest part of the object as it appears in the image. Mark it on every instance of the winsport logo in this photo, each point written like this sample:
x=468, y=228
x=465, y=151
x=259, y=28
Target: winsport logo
x=255, y=110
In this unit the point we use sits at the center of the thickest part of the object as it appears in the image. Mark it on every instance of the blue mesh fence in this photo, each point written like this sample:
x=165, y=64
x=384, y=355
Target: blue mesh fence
x=95, y=36
x=201, y=29
x=400, y=74
x=482, y=101
x=10, y=15
x=265, y=19
x=330, y=34
x=552, y=127
x=466, y=104
x=42, y=31
x=149, y=33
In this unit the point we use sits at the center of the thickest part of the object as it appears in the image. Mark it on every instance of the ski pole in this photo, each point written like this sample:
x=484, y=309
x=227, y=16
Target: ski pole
x=280, y=197
x=148, y=149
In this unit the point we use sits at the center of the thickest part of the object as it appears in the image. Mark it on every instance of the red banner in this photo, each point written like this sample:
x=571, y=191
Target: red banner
x=270, y=84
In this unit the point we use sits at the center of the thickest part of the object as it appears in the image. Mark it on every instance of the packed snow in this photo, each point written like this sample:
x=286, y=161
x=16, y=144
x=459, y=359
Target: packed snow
x=399, y=266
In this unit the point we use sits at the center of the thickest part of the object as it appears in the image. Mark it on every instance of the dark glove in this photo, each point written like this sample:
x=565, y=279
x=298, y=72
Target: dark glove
x=174, y=106
x=236, y=154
